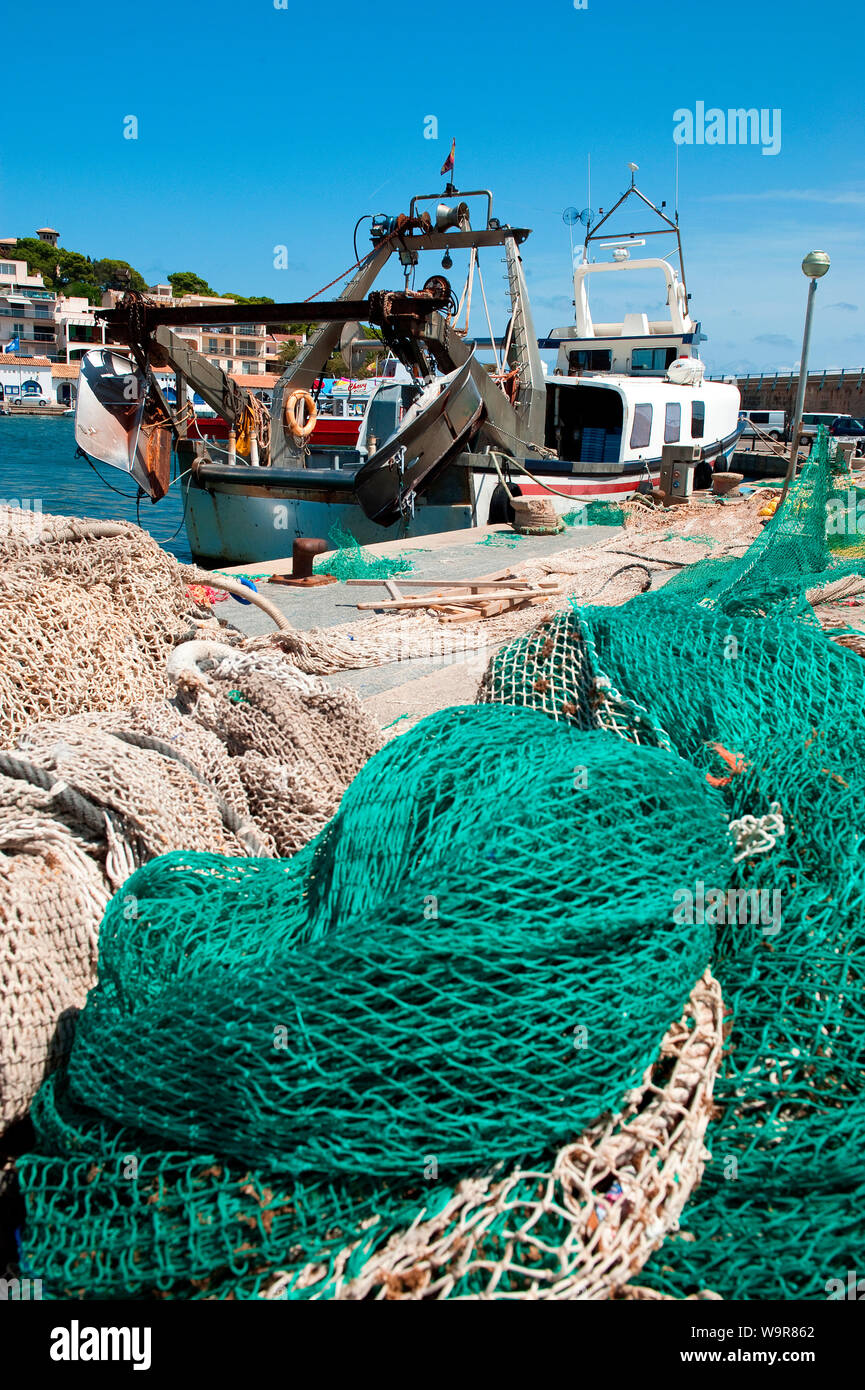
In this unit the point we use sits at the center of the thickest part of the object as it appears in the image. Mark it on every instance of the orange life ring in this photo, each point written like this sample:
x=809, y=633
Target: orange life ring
x=291, y=414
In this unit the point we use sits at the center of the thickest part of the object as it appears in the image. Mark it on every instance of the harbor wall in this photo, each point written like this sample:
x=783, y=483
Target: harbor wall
x=842, y=391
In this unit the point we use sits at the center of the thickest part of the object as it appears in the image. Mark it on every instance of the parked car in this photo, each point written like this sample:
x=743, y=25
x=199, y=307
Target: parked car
x=851, y=429
x=764, y=422
x=847, y=427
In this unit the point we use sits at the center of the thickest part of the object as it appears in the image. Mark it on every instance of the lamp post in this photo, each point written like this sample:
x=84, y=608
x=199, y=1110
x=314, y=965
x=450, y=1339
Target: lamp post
x=815, y=265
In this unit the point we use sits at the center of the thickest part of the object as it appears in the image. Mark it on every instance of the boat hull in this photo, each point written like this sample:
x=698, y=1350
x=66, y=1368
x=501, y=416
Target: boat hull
x=240, y=522
x=240, y=515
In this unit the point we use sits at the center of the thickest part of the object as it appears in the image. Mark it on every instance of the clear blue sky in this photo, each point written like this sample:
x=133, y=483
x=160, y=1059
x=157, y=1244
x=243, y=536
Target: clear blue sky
x=260, y=126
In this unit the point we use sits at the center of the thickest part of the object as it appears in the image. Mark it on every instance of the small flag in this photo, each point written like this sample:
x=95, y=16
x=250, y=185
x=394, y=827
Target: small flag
x=449, y=162
x=14, y=345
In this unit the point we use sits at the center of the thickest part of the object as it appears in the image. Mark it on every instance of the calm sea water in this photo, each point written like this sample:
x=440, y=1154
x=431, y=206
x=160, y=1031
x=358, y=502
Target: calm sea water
x=37, y=460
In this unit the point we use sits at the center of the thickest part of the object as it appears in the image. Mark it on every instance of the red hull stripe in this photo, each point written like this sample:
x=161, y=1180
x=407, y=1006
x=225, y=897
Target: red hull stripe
x=584, y=489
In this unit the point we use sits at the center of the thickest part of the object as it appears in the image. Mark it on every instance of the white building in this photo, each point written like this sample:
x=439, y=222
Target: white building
x=25, y=380
x=64, y=380
x=26, y=311
x=77, y=328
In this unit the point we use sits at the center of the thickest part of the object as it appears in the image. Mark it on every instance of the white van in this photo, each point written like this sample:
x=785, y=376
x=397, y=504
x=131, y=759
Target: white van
x=812, y=420
x=768, y=422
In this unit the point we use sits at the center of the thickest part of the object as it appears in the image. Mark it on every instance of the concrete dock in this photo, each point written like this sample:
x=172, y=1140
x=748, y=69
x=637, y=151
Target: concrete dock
x=418, y=686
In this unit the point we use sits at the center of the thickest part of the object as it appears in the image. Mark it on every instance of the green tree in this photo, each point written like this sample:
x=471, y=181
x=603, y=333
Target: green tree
x=74, y=268
x=117, y=275
x=287, y=353
x=187, y=282
x=41, y=257
x=242, y=299
x=83, y=290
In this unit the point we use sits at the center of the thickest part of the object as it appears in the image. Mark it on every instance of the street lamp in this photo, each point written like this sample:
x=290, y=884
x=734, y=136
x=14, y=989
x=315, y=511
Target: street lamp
x=815, y=265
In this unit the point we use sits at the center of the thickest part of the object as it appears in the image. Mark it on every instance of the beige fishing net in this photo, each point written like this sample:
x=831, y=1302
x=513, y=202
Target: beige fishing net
x=242, y=755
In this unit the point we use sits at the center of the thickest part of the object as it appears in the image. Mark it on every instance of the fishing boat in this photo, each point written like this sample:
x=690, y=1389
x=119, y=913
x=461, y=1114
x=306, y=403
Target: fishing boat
x=452, y=440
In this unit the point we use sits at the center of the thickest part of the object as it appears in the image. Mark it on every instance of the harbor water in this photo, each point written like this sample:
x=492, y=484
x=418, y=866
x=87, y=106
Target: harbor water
x=39, y=466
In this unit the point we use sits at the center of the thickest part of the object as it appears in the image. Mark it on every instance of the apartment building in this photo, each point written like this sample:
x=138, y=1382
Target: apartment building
x=77, y=329
x=26, y=311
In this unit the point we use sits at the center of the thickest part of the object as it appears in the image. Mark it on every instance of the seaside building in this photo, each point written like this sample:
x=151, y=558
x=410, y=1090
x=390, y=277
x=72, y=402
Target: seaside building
x=26, y=311
x=77, y=329
x=25, y=380
x=237, y=348
x=64, y=380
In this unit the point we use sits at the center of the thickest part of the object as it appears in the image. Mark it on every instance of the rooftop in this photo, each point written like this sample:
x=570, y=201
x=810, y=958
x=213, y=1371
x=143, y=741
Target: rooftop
x=255, y=381
x=65, y=369
x=9, y=359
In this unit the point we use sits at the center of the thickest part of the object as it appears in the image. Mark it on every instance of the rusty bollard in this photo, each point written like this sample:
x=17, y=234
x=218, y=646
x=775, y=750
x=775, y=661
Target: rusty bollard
x=303, y=553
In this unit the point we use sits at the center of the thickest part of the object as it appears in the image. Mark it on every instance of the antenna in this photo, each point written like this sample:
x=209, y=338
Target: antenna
x=588, y=180
x=676, y=203
x=633, y=168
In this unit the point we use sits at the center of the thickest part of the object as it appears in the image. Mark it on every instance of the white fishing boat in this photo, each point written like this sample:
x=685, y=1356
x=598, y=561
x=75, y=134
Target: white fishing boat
x=450, y=444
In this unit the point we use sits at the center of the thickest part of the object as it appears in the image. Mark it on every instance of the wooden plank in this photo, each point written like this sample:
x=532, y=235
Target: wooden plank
x=451, y=583
x=463, y=598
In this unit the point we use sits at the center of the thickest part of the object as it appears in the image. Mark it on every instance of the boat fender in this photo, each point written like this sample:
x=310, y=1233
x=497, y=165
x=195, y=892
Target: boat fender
x=293, y=417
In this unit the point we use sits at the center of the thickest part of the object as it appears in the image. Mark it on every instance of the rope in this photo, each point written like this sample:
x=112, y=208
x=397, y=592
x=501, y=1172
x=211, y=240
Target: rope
x=757, y=834
x=489, y=320
x=194, y=575
x=513, y=463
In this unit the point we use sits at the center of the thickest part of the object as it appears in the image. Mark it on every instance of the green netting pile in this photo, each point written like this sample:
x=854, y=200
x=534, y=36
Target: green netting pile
x=349, y=560
x=603, y=514
x=276, y=1050
x=729, y=656
x=285, y=1058
x=596, y=514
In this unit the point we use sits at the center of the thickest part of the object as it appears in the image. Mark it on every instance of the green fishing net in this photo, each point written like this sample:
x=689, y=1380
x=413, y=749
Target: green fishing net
x=276, y=1050
x=729, y=657
x=283, y=1060
x=349, y=560
x=603, y=514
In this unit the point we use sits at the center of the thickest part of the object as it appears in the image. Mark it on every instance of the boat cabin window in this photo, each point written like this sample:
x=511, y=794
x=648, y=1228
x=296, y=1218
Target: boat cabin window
x=590, y=360
x=641, y=429
x=698, y=419
x=584, y=423
x=652, y=359
x=672, y=423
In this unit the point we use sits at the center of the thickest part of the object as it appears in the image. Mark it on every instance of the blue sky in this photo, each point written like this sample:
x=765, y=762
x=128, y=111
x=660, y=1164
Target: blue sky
x=260, y=126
